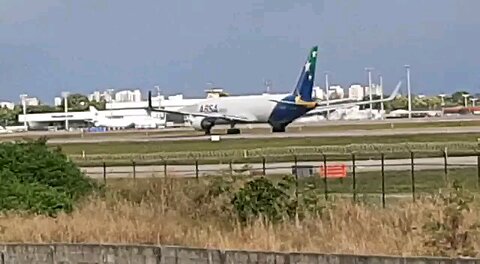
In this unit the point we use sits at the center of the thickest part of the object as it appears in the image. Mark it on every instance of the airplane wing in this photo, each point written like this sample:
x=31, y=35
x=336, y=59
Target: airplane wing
x=334, y=101
x=320, y=109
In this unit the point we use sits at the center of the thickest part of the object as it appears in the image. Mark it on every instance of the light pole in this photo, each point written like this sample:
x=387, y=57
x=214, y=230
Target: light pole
x=382, y=107
x=443, y=102
x=24, y=107
x=443, y=98
x=465, y=96
x=65, y=96
x=409, y=92
x=473, y=101
x=369, y=71
x=326, y=93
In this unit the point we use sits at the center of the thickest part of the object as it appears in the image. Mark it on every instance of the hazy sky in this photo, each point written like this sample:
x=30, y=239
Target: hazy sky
x=53, y=45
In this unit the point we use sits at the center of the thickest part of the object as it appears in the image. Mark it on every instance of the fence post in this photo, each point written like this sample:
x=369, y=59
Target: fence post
x=196, y=169
x=105, y=173
x=325, y=176
x=264, y=167
x=412, y=163
x=478, y=169
x=165, y=168
x=230, y=164
x=134, y=171
x=296, y=175
x=383, y=180
x=354, y=178
x=295, y=161
x=445, y=164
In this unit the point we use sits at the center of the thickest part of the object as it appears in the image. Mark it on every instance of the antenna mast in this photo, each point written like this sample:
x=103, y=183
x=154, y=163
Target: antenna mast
x=268, y=85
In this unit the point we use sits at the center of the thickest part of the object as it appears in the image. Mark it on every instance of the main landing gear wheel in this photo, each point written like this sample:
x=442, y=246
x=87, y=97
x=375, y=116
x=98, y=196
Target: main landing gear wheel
x=231, y=131
x=278, y=129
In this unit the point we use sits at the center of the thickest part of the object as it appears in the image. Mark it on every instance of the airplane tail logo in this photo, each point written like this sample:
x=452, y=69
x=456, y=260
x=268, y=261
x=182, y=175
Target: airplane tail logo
x=303, y=90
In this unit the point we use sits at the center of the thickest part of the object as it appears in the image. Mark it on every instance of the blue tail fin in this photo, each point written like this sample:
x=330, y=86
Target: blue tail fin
x=303, y=90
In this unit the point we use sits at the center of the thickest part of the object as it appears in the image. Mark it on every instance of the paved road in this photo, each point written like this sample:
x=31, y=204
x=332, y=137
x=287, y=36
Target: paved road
x=275, y=168
x=337, y=133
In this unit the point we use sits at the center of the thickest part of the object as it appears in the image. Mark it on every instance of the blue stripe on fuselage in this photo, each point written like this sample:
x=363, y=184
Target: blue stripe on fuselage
x=284, y=114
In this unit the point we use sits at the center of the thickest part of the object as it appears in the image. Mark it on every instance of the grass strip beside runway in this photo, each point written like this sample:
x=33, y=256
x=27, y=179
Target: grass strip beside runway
x=368, y=182
x=232, y=144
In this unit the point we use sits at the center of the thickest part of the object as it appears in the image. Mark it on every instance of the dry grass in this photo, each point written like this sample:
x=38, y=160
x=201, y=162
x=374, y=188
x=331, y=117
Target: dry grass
x=177, y=213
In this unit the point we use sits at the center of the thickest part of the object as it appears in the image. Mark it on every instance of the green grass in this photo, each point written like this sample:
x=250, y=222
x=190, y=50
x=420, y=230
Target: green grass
x=400, y=181
x=396, y=182
x=229, y=144
x=387, y=125
x=269, y=159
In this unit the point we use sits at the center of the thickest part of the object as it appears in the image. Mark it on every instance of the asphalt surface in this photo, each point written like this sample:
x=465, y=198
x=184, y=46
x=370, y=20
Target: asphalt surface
x=187, y=133
x=336, y=133
x=275, y=168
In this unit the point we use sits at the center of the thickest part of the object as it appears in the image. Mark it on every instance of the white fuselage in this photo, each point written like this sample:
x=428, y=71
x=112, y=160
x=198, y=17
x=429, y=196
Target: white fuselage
x=124, y=118
x=255, y=107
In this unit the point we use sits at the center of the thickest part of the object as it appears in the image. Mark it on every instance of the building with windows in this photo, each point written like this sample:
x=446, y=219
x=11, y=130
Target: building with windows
x=356, y=92
x=128, y=96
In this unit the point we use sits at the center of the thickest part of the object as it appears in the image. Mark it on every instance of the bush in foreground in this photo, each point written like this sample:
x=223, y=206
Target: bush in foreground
x=36, y=179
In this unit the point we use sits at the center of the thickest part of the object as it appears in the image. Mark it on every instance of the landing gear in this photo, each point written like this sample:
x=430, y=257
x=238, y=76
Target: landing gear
x=208, y=131
x=278, y=129
x=233, y=130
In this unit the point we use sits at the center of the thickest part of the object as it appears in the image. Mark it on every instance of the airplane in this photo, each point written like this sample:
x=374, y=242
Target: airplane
x=122, y=119
x=278, y=110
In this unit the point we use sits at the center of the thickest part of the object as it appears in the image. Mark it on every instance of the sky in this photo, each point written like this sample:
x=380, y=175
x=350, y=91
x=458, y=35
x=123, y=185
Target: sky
x=51, y=46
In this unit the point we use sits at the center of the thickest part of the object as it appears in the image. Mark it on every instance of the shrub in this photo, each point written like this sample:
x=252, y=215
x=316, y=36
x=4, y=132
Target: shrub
x=39, y=180
x=261, y=198
x=447, y=234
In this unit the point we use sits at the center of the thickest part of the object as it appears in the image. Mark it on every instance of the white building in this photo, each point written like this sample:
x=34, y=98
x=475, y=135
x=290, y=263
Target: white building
x=31, y=101
x=95, y=96
x=318, y=93
x=376, y=90
x=356, y=92
x=128, y=96
x=8, y=105
x=98, y=96
x=336, y=91
x=58, y=101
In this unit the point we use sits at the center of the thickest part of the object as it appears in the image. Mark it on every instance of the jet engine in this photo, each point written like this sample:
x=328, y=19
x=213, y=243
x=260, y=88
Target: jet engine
x=201, y=123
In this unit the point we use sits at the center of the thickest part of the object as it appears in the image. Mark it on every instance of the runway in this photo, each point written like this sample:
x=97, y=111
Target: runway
x=326, y=128
x=181, y=171
x=336, y=133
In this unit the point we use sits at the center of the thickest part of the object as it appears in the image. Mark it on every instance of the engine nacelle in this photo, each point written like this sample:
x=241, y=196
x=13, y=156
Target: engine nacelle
x=201, y=123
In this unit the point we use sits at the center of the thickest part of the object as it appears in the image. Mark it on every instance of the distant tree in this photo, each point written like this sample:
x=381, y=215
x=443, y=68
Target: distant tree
x=99, y=105
x=32, y=109
x=434, y=103
x=400, y=102
x=76, y=102
x=457, y=98
x=419, y=103
x=9, y=117
x=377, y=106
